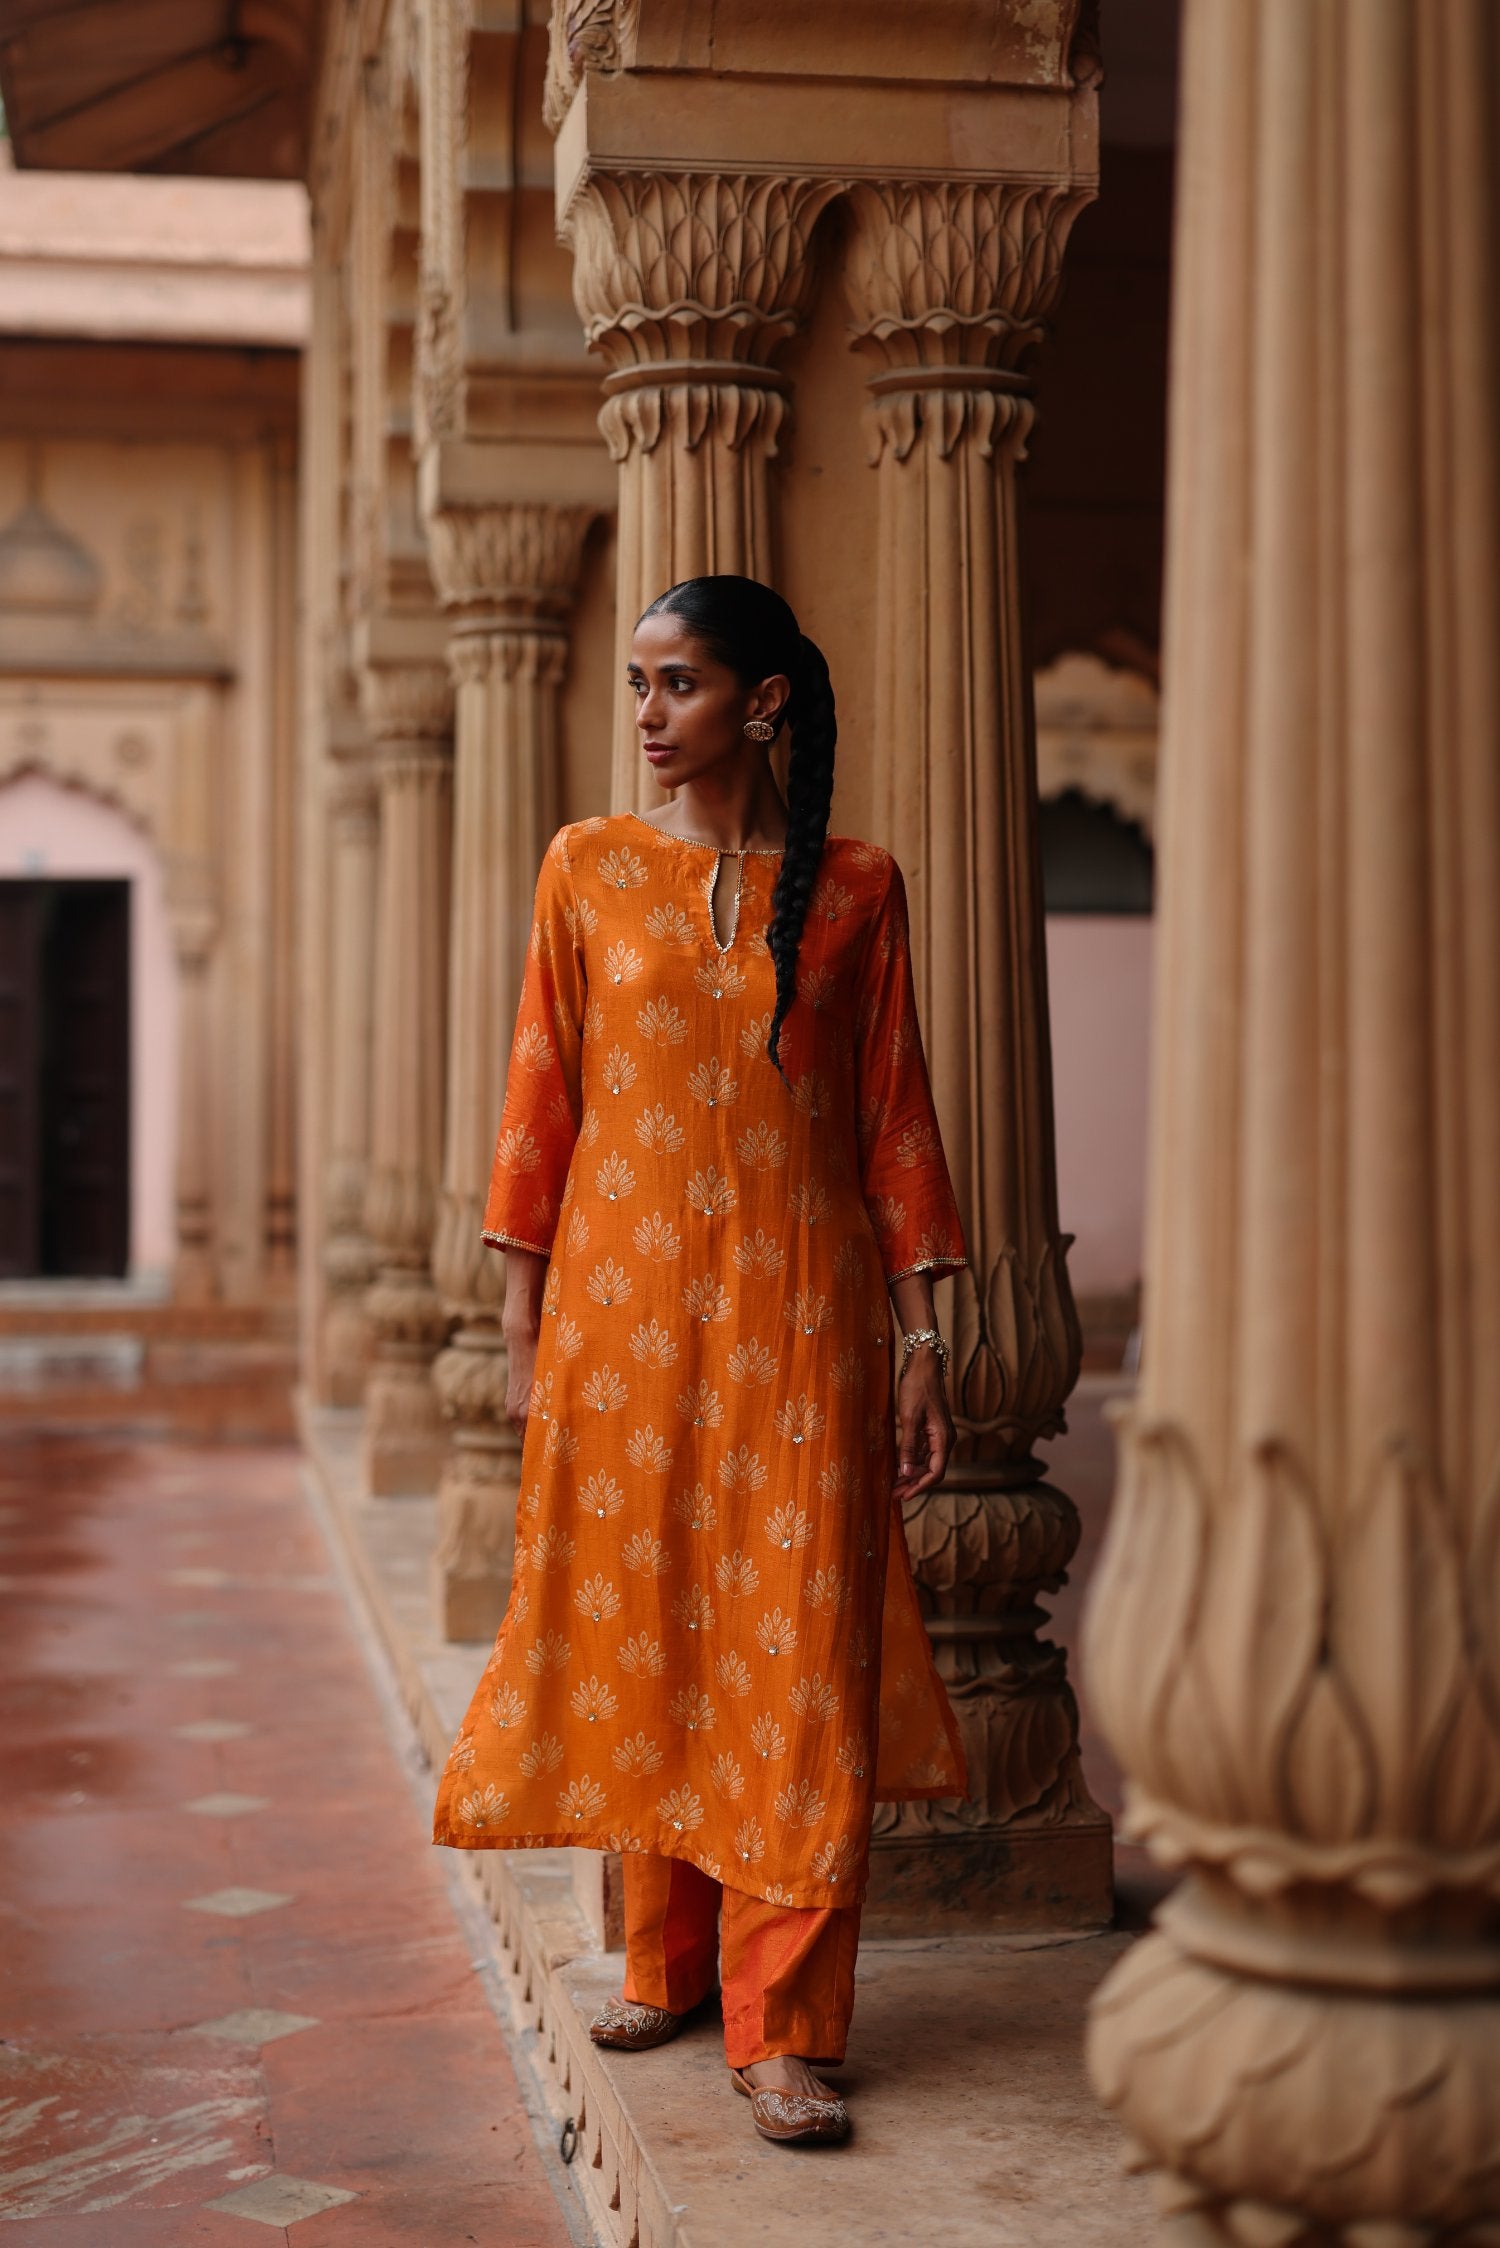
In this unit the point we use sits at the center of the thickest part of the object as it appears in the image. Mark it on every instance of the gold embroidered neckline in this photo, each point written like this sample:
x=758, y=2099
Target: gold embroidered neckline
x=701, y=843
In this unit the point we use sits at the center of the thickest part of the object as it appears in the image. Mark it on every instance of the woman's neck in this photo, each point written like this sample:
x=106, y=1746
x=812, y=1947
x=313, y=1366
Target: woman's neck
x=748, y=819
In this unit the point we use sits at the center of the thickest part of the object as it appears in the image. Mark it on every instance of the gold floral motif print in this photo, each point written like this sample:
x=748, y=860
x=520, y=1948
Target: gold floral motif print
x=691, y=1657
x=696, y=1508
x=486, y=1807
x=736, y=1575
x=657, y=1238
x=642, y=1656
x=597, y=1599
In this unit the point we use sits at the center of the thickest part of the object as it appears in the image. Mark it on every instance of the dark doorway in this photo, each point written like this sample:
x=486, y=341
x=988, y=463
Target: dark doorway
x=64, y=1079
x=1093, y=861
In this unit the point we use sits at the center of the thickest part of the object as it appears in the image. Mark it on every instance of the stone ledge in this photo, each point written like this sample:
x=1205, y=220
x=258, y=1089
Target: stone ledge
x=974, y=2122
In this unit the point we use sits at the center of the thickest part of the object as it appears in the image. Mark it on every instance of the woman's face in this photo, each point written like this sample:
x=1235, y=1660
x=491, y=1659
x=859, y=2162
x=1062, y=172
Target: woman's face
x=690, y=710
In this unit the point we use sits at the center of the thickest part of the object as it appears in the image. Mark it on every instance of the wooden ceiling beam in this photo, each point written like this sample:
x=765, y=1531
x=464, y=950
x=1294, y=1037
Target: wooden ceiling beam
x=219, y=86
x=133, y=124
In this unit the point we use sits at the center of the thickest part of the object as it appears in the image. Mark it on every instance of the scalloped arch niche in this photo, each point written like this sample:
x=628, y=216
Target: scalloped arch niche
x=49, y=831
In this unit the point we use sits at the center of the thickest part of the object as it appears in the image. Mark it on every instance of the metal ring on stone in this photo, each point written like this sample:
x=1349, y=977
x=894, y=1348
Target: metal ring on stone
x=567, y=2144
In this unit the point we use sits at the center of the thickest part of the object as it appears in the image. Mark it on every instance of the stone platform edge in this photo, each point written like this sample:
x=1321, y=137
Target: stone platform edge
x=539, y=1931
x=1012, y=2143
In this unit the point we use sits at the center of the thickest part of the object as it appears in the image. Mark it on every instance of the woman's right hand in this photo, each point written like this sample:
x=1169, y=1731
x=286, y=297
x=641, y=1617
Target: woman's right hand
x=521, y=1352
x=521, y=1325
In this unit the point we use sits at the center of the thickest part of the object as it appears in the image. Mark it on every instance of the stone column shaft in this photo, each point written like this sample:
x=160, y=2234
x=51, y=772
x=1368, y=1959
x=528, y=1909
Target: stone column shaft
x=409, y=710
x=1295, y=1634
x=192, y=886
x=508, y=575
x=353, y=832
x=950, y=285
x=194, y=1279
x=686, y=283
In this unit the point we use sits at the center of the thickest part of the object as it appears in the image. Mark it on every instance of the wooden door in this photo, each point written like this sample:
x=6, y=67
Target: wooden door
x=86, y=1080
x=21, y=910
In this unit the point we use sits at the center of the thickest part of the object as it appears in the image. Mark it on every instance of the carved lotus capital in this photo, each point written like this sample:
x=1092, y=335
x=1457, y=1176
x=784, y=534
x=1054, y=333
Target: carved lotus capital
x=692, y=266
x=985, y=1550
x=1018, y=1347
x=407, y=704
x=1304, y=1693
x=519, y=559
x=953, y=274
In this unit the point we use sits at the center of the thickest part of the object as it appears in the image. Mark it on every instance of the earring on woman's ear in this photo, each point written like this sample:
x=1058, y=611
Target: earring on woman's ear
x=760, y=729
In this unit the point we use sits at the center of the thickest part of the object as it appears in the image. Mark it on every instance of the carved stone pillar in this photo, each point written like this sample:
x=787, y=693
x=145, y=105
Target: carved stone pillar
x=349, y=1258
x=508, y=574
x=194, y=1278
x=1295, y=1634
x=686, y=283
x=949, y=285
x=409, y=708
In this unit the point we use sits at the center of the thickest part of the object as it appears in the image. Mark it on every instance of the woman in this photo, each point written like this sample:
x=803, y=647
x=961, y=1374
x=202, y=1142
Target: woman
x=717, y=1169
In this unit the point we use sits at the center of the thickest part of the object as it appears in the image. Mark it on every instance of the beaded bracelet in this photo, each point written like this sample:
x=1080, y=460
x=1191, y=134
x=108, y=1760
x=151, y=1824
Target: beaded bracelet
x=925, y=1335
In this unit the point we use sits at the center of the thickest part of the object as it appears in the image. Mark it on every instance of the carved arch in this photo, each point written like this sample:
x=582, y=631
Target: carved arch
x=75, y=774
x=1097, y=731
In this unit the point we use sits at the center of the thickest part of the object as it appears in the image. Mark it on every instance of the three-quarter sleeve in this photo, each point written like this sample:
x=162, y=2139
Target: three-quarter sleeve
x=543, y=1086
x=903, y=1171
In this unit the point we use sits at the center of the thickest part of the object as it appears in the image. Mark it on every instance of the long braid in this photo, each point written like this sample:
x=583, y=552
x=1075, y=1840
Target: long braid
x=809, y=795
x=748, y=627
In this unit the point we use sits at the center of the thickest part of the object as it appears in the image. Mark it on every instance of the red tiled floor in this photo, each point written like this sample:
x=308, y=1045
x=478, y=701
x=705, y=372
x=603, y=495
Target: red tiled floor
x=117, y=2125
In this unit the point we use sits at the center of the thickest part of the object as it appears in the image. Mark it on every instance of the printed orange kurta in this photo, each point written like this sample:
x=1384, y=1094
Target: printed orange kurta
x=713, y=1622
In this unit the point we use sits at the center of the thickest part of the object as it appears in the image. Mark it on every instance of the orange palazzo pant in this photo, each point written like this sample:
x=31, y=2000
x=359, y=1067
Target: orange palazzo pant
x=788, y=1970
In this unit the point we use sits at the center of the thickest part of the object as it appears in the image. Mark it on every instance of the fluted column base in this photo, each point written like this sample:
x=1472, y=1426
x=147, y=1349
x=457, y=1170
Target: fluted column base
x=404, y=1436
x=477, y=1492
x=1029, y=1848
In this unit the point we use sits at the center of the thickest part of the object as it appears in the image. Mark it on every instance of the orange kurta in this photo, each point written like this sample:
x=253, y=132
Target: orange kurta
x=712, y=1622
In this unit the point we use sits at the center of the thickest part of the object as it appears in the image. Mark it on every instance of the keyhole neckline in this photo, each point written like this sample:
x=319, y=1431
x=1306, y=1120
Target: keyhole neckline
x=711, y=889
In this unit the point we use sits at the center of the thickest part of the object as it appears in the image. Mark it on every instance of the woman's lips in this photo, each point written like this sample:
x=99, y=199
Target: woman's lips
x=657, y=753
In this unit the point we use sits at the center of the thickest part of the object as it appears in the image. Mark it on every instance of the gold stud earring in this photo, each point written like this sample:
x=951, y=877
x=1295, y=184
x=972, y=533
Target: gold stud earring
x=760, y=729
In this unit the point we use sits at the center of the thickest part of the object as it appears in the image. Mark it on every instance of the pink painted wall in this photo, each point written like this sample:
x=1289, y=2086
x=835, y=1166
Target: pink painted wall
x=49, y=831
x=1099, y=969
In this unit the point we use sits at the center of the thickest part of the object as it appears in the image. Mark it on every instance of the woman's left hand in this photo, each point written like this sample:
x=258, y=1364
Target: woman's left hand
x=924, y=1426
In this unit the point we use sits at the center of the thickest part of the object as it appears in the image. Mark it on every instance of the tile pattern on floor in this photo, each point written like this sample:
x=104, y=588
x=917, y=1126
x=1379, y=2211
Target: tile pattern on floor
x=276, y=2200
x=234, y=1993
x=237, y=1903
x=254, y=2025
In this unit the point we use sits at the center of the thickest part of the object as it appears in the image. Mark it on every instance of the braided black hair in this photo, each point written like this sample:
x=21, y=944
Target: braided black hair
x=753, y=633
